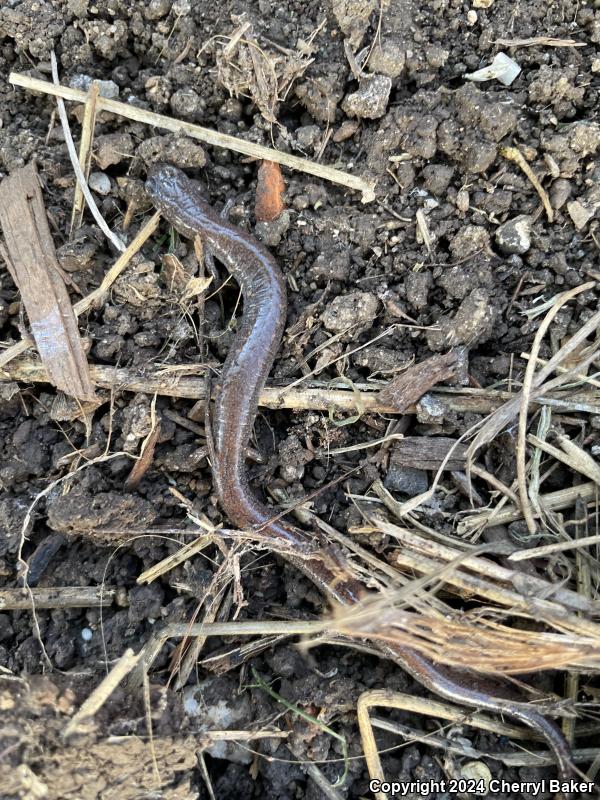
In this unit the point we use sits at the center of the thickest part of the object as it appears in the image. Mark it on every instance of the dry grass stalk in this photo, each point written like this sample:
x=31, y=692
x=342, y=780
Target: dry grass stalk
x=535, y=383
x=97, y=296
x=85, y=152
x=183, y=554
x=423, y=230
x=31, y=260
x=95, y=211
x=552, y=501
x=474, y=641
x=584, y=587
x=475, y=560
x=535, y=41
x=266, y=627
x=573, y=456
x=203, y=134
x=519, y=758
x=577, y=376
x=216, y=602
x=528, y=383
x=232, y=658
x=556, y=547
x=385, y=698
x=102, y=692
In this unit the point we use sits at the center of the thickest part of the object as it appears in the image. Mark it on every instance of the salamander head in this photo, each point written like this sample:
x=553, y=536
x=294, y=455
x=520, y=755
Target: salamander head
x=166, y=184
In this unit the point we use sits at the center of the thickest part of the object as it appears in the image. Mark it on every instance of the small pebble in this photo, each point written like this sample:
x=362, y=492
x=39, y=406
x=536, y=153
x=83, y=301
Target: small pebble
x=370, y=99
x=86, y=634
x=308, y=135
x=560, y=193
x=514, y=236
x=271, y=233
x=408, y=480
x=107, y=89
x=347, y=129
x=462, y=200
x=580, y=214
x=431, y=410
x=157, y=9
x=99, y=182
x=471, y=17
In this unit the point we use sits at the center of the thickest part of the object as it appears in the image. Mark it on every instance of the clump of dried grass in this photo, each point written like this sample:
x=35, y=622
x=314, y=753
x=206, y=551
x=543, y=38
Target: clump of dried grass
x=263, y=72
x=476, y=640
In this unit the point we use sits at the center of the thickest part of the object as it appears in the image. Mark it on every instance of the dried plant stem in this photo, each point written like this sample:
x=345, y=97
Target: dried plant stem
x=248, y=628
x=103, y=691
x=520, y=758
x=578, y=376
x=85, y=152
x=172, y=561
x=540, y=609
x=528, y=383
x=386, y=698
x=514, y=154
x=571, y=455
x=421, y=545
x=553, y=501
x=62, y=113
x=204, y=134
x=176, y=383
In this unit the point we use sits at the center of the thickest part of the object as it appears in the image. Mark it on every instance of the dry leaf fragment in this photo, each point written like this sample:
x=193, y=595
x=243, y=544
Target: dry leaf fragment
x=196, y=286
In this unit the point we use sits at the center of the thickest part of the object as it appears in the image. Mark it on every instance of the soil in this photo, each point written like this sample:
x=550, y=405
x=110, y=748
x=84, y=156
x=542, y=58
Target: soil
x=433, y=142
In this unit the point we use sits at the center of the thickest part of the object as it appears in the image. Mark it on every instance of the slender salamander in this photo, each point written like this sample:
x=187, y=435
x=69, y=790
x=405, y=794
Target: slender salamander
x=236, y=401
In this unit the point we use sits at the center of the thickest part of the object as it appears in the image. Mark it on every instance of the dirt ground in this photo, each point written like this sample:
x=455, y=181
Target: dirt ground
x=457, y=250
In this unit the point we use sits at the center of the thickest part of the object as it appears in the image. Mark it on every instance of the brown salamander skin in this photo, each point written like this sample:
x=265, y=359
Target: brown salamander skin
x=243, y=376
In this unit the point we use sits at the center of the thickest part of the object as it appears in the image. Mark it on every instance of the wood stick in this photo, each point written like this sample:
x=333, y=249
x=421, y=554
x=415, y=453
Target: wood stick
x=116, y=241
x=175, y=384
x=204, y=134
x=31, y=260
x=56, y=597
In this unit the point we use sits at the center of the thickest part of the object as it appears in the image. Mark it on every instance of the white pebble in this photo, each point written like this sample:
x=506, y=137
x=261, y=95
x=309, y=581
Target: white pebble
x=99, y=182
x=86, y=634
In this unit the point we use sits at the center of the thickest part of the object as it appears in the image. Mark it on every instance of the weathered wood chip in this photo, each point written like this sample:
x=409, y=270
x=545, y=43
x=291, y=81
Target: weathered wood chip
x=428, y=452
x=411, y=385
x=31, y=259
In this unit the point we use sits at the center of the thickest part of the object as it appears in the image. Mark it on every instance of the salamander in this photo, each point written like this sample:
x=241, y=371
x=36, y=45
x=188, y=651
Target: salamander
x=244, y=374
